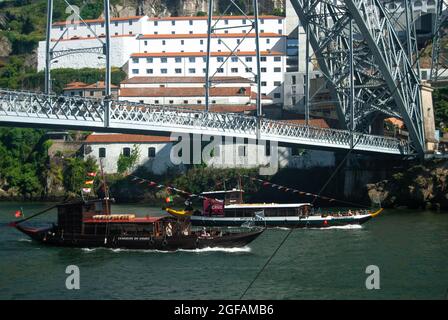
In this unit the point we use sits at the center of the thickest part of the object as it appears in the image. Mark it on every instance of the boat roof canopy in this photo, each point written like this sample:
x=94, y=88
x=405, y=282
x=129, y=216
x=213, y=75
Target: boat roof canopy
x=266, y=205
x=223, y=191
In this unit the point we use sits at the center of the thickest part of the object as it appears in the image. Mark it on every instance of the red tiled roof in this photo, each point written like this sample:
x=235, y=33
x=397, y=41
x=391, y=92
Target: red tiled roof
x=215, y=35
x=93, y=38
x=154, y=80
x=215, y=18
x=62, y=23
x=75, y=85
x=125, y=138
x=99, y=85
x=320, y=123
x=183, y=92
x=203, y=54
x=396, y=122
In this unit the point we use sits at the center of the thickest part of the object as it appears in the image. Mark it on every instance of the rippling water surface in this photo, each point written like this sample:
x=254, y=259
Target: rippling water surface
x=409, y=247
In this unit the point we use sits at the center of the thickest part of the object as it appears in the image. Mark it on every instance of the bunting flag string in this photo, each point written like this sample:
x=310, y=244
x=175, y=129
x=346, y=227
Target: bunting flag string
x=265, y=183
x=88, y=184
x=169, y=189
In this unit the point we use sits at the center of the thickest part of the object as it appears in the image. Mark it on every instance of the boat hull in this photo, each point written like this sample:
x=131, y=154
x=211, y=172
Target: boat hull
x=49, y=236
x=285, y=222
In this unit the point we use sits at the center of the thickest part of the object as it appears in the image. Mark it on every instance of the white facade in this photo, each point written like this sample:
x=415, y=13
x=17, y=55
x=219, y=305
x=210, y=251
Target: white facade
x=156, y=156
x=122, y=47
x=194, y=64
x=151, y=46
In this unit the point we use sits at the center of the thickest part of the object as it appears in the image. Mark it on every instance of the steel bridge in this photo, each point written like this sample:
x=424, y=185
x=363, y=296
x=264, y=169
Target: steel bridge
x=50, y=111
x=370, y=71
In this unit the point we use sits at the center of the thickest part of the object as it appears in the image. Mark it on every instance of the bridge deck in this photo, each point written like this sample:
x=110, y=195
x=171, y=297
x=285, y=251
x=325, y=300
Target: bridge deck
x=39, y=110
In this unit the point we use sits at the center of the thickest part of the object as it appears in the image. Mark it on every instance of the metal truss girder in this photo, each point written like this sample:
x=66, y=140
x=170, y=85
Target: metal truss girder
x=385, y=81
x=40, y=110
x=394, y=64
x=59, y=53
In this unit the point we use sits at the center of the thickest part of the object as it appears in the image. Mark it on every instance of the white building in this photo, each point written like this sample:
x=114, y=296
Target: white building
x=228, y=94
x=176, y=46
x=155, y=153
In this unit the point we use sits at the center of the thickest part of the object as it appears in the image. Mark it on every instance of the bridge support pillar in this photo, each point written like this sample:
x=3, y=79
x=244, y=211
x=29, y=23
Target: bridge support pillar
x=428, y=118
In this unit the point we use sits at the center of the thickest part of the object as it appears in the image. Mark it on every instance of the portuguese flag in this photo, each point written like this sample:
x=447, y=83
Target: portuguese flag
x=169, y=199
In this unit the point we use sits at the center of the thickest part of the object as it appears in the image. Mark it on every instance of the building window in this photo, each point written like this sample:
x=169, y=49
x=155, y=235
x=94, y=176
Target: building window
x=220, y=59
x=262, y=21
x=156, y=101
x=219, y=41
x=267, y=151
x=102, y=152
x=149, y=60
x=234, y=70
x=192, y=59
x=277, y=95
x=268, y=41
x=263, y=69
x=178, y=71
x=178, y=60
x=263, y=59
x=248, y=59
x=173, y=22
x=173, y=32
x=151, y=152
x=220, y=70
x=277, y=69
x=171, y=101
x=185, y=101
x=149, y=71
x=130, y=32
x=163, y=71
x=191, y=70
x=242, y=151
x=163, y=42
x=134, y=60
x=199, y=102
x=130, y=22
x=248, y=69
x=135, y=71
x=264, y=83
x=280, y=31
x=156, y=23
x=277, y=83
x=201, y=41
x=182, y=42
x=277, y=59
x=244, y=21
x=127, y=152
x=164, y=60
x=116, y=24
x=226, y=21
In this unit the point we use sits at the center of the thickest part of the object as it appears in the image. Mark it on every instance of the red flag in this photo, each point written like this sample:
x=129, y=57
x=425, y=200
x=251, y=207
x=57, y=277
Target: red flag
x=18, y=213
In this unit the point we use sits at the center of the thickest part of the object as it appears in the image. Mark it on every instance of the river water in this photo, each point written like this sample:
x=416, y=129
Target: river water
x=410, y=249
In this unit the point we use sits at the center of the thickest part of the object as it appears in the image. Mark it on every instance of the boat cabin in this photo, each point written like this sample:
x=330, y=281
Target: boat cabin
x=93, y=218
x=234, y=196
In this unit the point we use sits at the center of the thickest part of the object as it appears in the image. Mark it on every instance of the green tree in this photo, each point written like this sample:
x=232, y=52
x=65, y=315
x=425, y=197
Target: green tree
x=127, y=163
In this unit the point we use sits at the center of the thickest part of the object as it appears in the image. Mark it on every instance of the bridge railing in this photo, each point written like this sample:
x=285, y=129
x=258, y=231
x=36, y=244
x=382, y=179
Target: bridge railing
x=22, y=106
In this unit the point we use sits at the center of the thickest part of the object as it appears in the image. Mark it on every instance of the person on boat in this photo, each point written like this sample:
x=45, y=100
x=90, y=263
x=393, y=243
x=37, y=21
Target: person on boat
x=205, y=233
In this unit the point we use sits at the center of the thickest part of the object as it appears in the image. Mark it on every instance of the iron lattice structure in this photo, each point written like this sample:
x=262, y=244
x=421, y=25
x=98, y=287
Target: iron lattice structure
x=439, y=69
x=52, y=52
x=368, y=68
x=32, y=109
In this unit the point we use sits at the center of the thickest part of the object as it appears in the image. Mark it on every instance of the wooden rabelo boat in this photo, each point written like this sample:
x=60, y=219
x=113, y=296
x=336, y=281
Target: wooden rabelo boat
x=90, y=224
